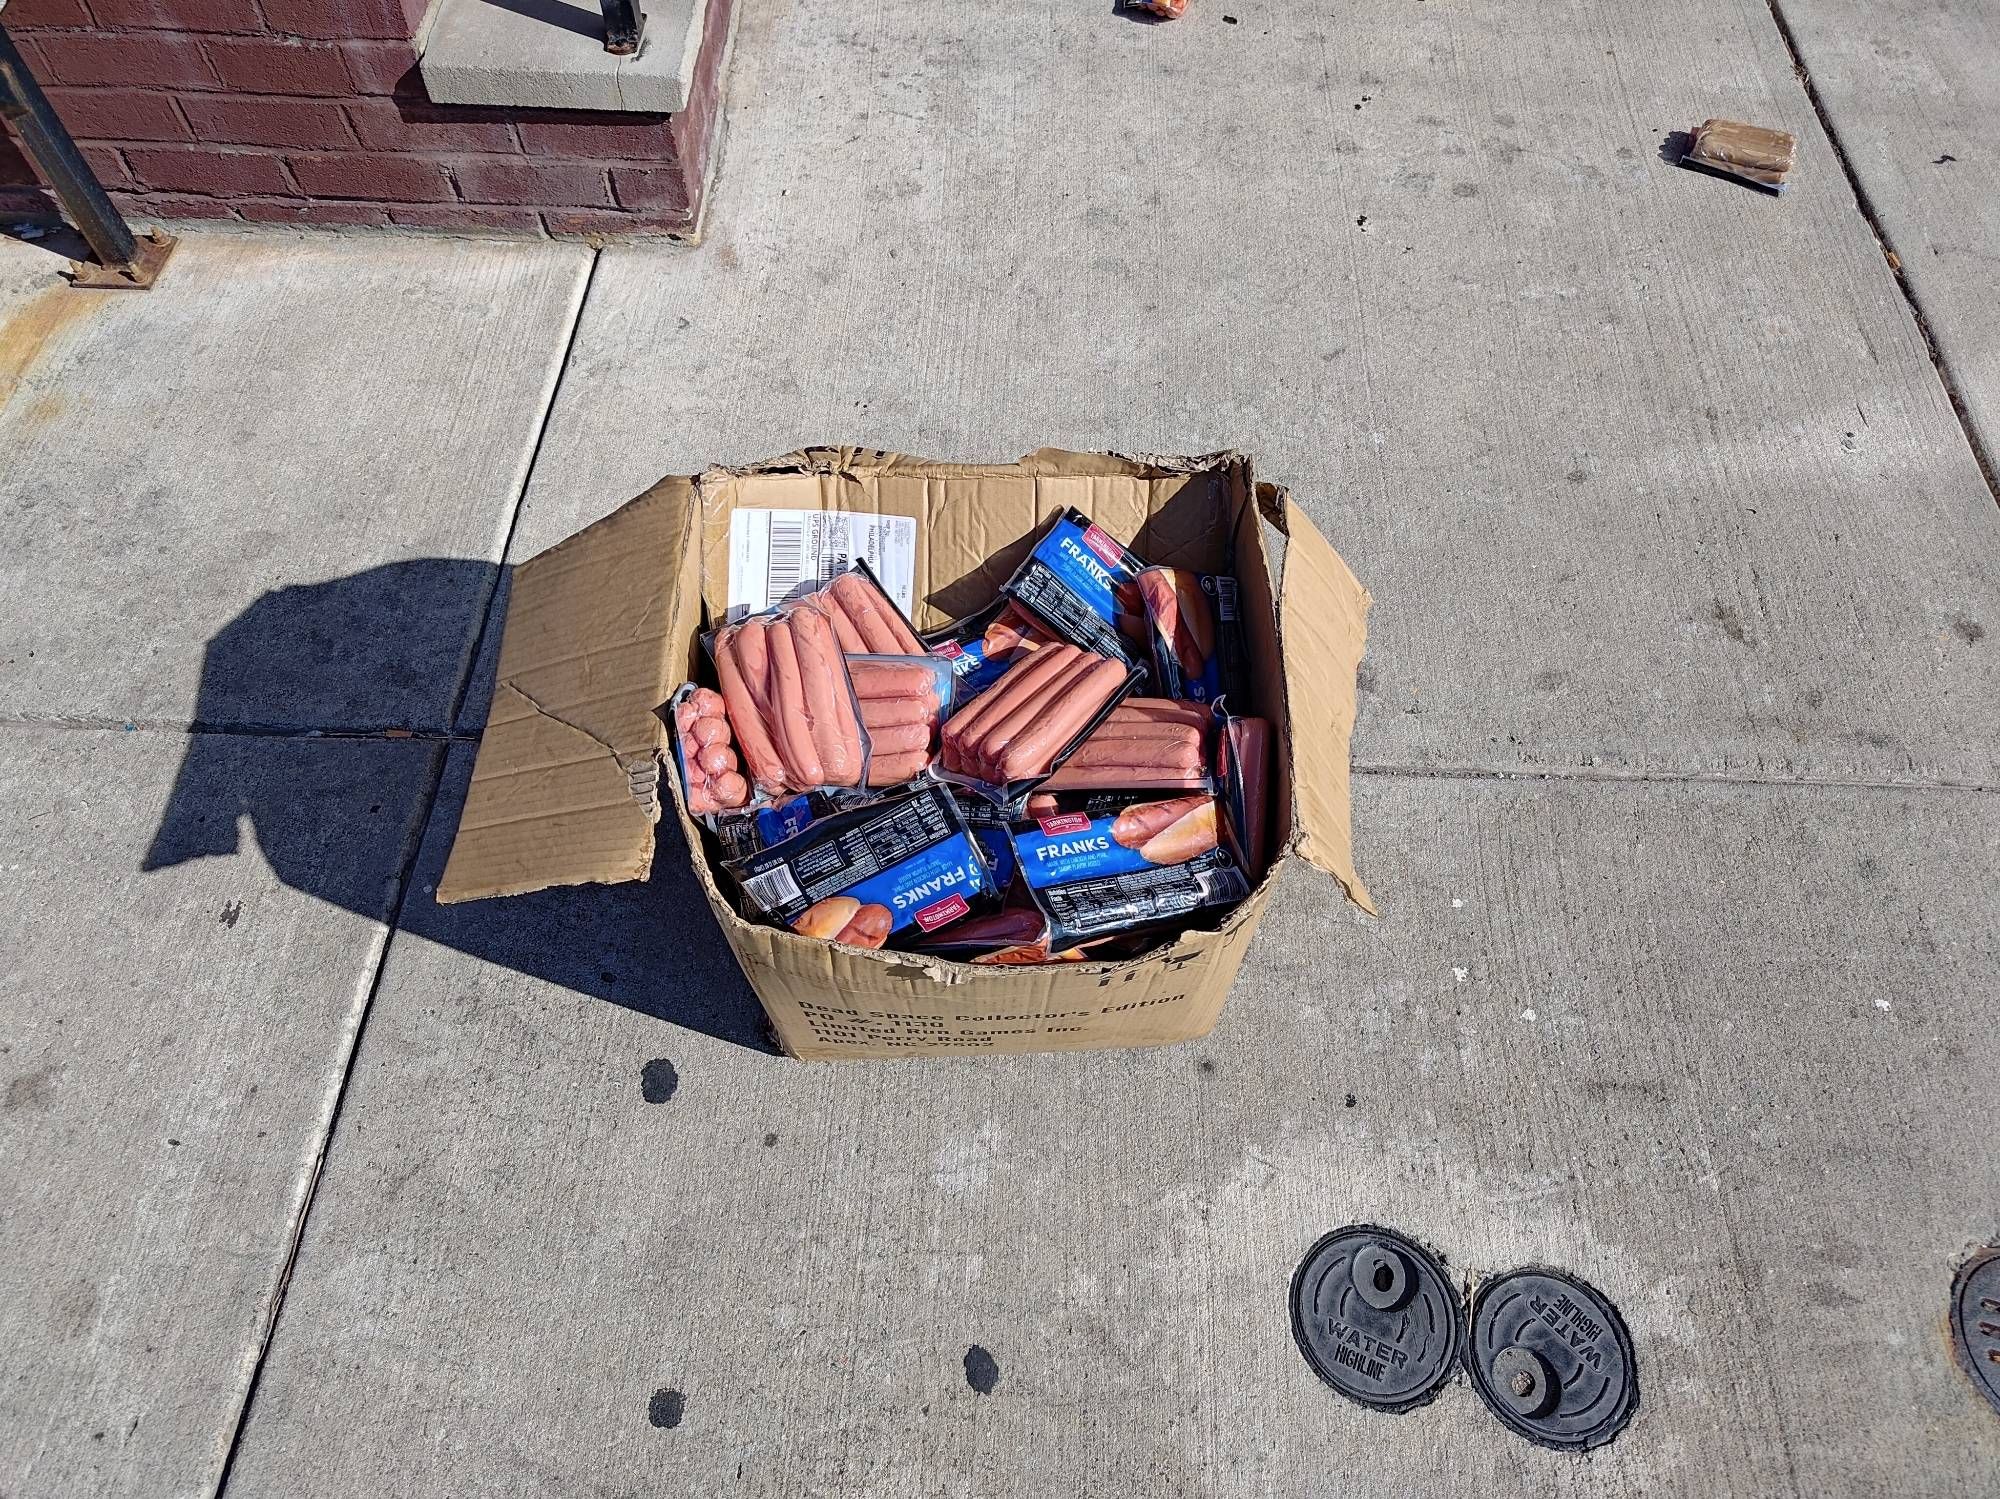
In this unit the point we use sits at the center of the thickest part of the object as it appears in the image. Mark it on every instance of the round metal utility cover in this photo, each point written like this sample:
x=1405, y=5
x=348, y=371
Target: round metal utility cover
x=1551, y=1358
x=1975, y=1321
x=1376, y=1318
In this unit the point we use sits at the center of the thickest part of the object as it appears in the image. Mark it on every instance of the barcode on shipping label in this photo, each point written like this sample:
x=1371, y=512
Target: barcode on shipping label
x=774, y=554
x=772, y=889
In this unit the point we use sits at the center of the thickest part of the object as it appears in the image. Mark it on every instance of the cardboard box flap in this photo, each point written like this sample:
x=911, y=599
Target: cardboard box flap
x=565, y=790
x=1322, y=632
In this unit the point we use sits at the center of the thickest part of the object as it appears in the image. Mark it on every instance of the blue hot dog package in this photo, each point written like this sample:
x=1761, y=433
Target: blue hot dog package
x=1194, y=628
x=1082, y=583
x=897, y=867
x=982, y=648
x=1146, y=864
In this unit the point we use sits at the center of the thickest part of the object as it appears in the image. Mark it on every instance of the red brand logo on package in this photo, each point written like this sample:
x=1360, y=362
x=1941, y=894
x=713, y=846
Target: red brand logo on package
x=1066, y=822
x=1101, y=542
x=949, y=909
x=950, y=649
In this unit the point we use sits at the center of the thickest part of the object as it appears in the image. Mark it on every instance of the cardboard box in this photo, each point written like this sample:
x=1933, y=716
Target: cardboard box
x=600, y=629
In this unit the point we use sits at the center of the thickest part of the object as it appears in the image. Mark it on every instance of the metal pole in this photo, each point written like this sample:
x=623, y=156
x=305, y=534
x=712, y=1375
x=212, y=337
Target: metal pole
x=122, y=260
x=623, y=23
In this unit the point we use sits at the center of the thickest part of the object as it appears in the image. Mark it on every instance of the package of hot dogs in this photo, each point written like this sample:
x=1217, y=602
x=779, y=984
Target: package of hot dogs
x=704, y=753
x=1146, y=864
x=1006, y=740
x=982, y=648
x=1081, y=582
x=759, y=826
x=993, y=830
x=1142, y=744
x=1242, y=782
x=895, y=868
x=863, y=615
x=903, y=700
x=790, y=701
x=1015, y=936
x=1194, y=631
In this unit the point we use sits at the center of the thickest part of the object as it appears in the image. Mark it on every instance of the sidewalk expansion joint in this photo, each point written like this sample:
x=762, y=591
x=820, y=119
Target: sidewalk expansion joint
x=1891, y=256
x=1615, y=774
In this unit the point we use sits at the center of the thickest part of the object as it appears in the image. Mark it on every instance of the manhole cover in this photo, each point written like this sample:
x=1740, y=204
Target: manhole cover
x=1376, y=1318
x=1975, y=1321
x=1551, y=1358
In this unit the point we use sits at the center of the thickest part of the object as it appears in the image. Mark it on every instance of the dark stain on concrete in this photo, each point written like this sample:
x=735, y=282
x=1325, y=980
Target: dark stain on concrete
x=666, y=1408
x=1971, y=631
x=981, y=1372
x=232, y=911
x=1731, y=621
x=32, y=1090
x=658, y=1080
x=770, y=1139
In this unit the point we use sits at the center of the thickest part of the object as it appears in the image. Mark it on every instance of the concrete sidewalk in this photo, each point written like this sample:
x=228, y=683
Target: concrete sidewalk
x=1676, y=782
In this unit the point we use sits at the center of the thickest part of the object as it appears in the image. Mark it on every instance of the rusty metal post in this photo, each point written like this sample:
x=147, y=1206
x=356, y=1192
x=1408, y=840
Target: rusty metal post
x=624, y=23
x=123, y=259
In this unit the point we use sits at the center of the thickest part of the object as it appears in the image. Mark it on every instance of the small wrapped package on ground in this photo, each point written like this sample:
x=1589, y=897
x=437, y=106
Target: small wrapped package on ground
x=1749, y=153
x=601, y=631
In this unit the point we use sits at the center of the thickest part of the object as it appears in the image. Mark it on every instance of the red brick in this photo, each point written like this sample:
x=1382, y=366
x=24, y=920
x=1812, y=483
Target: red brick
x=392, y=179
x=267, y=122
x=401, y=125
x=118, y=114
x=145, y=206
x=384, y=68
x=694, y=128
x=469, y=216
x=153, y=61
x=107, y=164
x=196, y=169
x=179, y=15
x=26, y=15
x=650, y=189
x=266, y=65
x=603, y=137
x=338, y=20
x=510, y=179
x=601, y=222
x=313, y=213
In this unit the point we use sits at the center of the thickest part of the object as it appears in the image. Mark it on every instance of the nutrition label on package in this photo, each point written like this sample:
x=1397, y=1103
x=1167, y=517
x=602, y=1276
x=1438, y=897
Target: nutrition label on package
x=774, y=554
x=855, y=854
x=1049, y=596
x=1116, y=901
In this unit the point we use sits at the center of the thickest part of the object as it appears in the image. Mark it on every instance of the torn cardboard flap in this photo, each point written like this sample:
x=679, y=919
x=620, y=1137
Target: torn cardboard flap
x=565, y=790
x=1322, y=633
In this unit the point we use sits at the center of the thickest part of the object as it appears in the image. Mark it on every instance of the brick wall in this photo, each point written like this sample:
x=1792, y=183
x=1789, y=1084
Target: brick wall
x=312, y=112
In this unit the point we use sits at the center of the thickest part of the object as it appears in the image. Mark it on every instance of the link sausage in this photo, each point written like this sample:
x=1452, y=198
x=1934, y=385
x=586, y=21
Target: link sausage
x=1032, y=708
x=851, y=642
x=874, y=616
x=992, y=704
x=892, y=679
x=836, y=736
x=900, y=739
x=1189, y=838
x=1031, y=752
x=888, y=770
x=760, y=752
x=1137, y=825
x=882, y=712
x=791, y=725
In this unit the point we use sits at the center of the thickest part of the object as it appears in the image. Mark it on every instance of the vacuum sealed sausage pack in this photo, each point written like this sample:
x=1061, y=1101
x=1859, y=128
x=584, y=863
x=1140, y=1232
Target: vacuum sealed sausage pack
x=845, y=673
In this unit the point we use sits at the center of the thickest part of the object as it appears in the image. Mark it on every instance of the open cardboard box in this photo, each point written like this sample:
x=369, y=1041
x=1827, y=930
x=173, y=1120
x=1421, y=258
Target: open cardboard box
x=603, y=627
